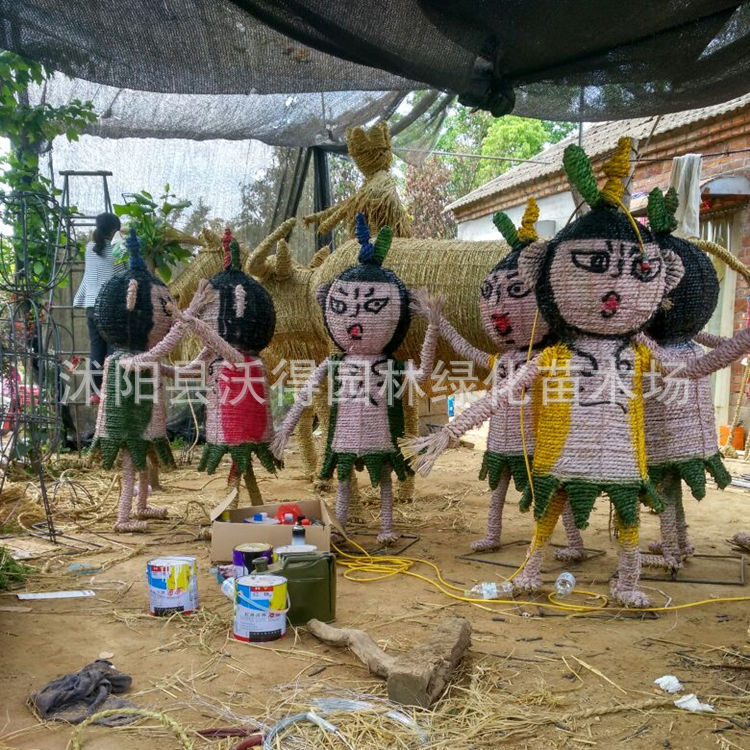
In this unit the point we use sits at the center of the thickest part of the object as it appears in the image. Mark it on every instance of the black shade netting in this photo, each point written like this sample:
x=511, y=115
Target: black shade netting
x=557, y=59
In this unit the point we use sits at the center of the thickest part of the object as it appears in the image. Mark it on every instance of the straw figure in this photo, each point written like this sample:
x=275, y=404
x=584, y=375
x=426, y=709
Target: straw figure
x=366, y=310
x=508, y=310
x=236, y=323
x=134, y=312
x=681, y=439
x=378, y=198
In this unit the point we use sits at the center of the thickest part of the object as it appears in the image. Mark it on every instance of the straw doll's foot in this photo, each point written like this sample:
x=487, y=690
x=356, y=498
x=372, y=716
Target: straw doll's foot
x=655, y=547
x=388, y=537
x=665, y=562
x=124, y=526
x=527, y=582
x=488, y=544
x=570, y=554
x=686, y=550
x=151, y=511
x=337, y=537
x=629, y=597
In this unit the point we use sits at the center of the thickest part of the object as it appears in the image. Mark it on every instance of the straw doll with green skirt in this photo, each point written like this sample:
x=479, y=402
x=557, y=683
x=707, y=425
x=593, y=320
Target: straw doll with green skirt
x=508, y=312
x=366, y=310
x=134, y=312
x=236, y=323
x=681, y=439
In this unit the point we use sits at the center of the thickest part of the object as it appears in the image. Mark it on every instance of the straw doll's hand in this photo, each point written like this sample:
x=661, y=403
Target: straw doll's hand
x=423, y=305
x=278, y=444
x=204, y=295
x=423, y=451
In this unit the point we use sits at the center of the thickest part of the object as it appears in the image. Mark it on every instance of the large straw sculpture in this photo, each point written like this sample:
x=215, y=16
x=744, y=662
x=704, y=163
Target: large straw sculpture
x=378, y=198
x=366, y=312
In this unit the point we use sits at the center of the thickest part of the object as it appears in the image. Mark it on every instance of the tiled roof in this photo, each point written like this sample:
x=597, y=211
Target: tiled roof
x=598, y=139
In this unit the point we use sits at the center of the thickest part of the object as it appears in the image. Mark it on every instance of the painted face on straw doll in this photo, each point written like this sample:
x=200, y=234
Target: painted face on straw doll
x=507, y=305
x=366, y=308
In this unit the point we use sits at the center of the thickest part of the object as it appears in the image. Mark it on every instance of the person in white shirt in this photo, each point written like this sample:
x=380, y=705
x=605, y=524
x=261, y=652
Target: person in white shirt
x=99, y=268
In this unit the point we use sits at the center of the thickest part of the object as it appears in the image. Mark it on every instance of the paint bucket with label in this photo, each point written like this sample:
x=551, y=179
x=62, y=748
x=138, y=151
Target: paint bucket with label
x=172, y=585
x=244, y=554
x=293, y=549
x=260, y=607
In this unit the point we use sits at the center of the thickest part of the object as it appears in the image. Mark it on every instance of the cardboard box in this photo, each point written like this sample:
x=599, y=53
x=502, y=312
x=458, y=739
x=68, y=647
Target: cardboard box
x=226, y=534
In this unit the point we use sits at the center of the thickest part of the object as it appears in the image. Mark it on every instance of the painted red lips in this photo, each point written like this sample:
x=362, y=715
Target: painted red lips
x=610, y=304
x=355, y=332
x=501, y=322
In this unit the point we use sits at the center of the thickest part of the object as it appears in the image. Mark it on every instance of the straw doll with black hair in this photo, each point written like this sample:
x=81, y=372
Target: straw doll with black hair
x=236, y=323
x=508, y=312
x=366, y=310
x=135, y=314
x=681, y=439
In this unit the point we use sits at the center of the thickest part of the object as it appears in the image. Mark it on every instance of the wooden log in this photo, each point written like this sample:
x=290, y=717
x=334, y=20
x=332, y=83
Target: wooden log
x=416, y=678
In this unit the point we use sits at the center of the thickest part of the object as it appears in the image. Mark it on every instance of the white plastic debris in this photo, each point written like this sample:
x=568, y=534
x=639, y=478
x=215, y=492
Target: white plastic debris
x=669, y=683
x=690, y=702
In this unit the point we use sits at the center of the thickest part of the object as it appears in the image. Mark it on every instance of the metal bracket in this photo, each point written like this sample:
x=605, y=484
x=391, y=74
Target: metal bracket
x=591, y=554
x=679, y=576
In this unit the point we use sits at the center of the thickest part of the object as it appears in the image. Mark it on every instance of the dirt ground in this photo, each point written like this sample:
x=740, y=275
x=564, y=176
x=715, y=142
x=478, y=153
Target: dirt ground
x=556, y=680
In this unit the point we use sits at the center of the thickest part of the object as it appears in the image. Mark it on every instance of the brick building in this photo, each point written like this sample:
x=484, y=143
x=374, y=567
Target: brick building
x=720, y=133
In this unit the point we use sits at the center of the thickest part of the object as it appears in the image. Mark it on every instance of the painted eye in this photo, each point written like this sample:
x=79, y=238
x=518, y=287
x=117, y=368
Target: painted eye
x=595, y=261
x=376, y=304
x=486, y=290
x=645, y=271
x=518, y=289
x=337, y=306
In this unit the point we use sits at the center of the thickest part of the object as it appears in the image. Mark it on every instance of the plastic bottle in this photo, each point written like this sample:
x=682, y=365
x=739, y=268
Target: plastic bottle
x=565, y=584
x=490, y=590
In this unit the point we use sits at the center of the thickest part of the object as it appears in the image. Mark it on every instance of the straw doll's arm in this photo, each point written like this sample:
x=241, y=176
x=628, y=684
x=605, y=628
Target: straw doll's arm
x=724, y=353
x=463, y=347
x=162, y=349
x=303, y=400
x=203, y=296
x=211, y=339
x=709, y=339
x=430, y=308
x=425, y=450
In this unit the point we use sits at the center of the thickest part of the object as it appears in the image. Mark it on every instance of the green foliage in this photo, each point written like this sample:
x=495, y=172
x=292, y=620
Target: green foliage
x=30, y=129
x=152, y=222
x=447, y=178
x=12, y=573
x=463, y=132
x=517, y=138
